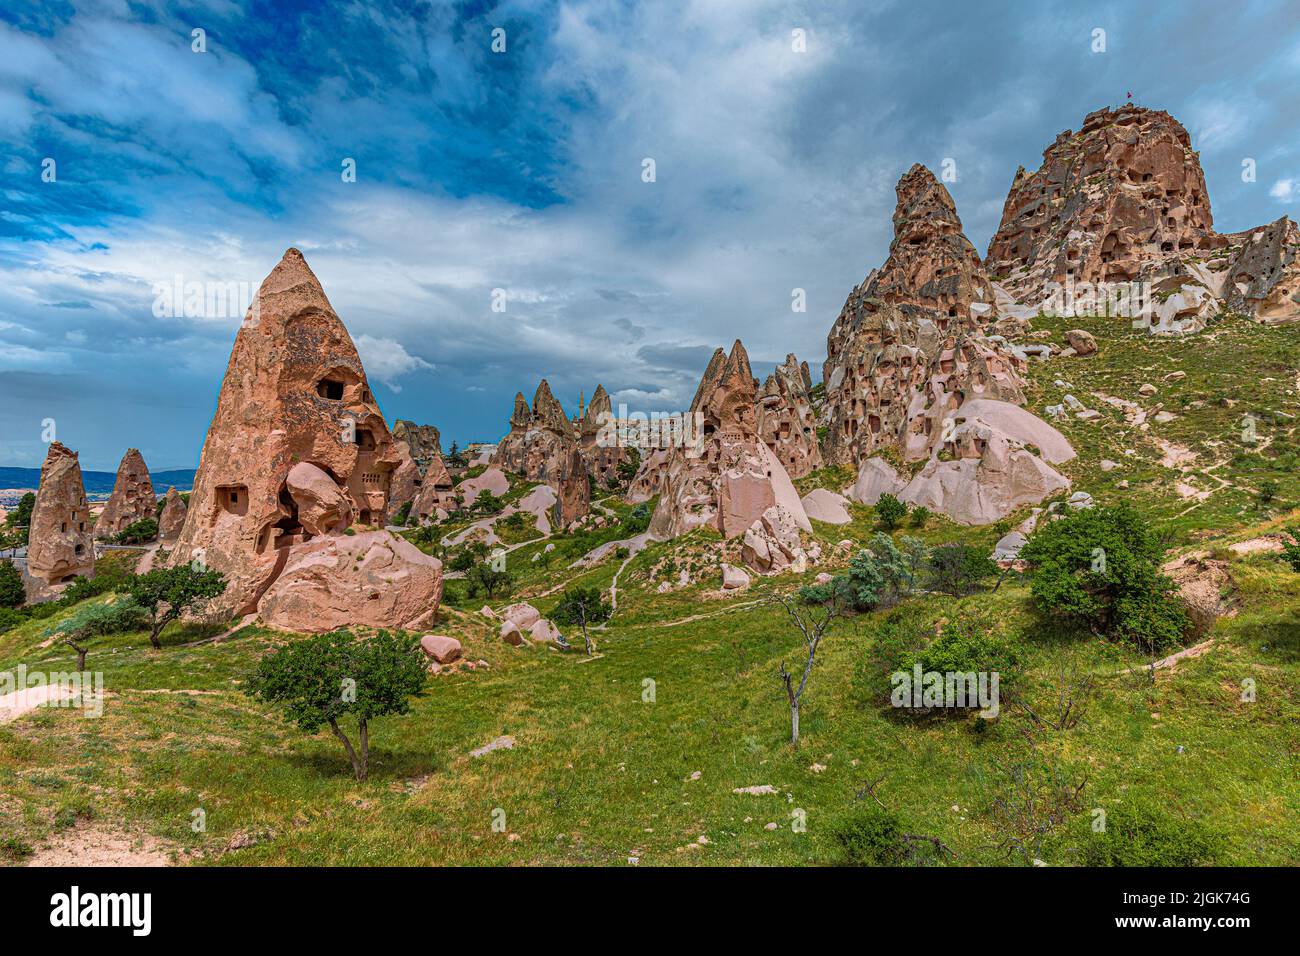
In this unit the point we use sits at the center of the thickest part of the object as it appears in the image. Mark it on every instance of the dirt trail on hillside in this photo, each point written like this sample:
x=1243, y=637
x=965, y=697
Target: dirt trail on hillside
x=101, y=846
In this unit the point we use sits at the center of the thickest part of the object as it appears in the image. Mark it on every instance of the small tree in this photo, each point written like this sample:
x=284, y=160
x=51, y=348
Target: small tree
x=95, y=620
x=890, y=512
x=484, y=577
x=322, y=679
x=21, y=516
x=812, y=627
x=958, y=569
x=1291, y=548
x=11, y=585
x=167, y=593
x=137, y=532
x=583, y=606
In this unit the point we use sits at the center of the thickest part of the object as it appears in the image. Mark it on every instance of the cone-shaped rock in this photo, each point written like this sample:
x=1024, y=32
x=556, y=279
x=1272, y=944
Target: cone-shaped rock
x=786, y=423
x=132, y=499
x=543, y=446
x=60, y=544
x=295, y=393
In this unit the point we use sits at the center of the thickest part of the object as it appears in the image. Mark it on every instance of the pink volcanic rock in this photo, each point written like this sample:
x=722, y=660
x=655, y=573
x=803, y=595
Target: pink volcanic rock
x=372, y=578
x=132, y=499
x=322, y=506
x=522, y=615
x=172, y=518
x=876, y=477
x=493, y=480
x=545, y=632
x=442, y=649
x=60, y=545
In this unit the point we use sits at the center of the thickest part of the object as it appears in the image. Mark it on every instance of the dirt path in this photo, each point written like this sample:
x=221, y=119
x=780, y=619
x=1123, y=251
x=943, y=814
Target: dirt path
x=101, y=846
x=702, y=617
x=14, y=705
x=1172, y=660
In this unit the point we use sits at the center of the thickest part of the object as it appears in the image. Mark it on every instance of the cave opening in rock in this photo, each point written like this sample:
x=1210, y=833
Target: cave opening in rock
x=330, y=388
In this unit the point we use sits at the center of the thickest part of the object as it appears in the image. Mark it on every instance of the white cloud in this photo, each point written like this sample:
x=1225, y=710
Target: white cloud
x=387, y=360
x=1285, y=190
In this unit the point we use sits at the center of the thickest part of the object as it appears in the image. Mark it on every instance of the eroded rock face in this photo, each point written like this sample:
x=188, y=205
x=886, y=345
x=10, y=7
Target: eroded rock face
x=594, y=427
x=1124, y=200
x=436, y=491
x=731, y=477
x=899, y=364
x=773, y=544
x=295, y=399
x=372, y=578
x=786, y=422
x=132, y=499
x=423, y=441
x=172, y=518
x=543, y=446
x=60, y=544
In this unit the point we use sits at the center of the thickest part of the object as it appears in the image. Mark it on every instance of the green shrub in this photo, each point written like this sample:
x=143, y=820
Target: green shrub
x=10, y=618
x=137, y=532
x=1100, y=568
x=11, y=585
x=1143, y=836
x=960, y=569
x=402, y=515
x=877, y=577
x=1291, y=548
x=637, y=520
x=919, y=517
x=870, y=836
x=890, y=512
x=578, y=604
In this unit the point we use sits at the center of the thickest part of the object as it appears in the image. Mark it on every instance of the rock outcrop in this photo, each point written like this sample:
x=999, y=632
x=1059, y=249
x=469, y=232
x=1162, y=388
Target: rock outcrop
x=296, y=452
x=1123, y=201
x=132, y=499
x=172, y=518
x=423, y=441
x=773, y=544
x=436, y=491
x=337, y=580
x=60, y=542
x=786, y=422
x=543, y=446
x=730, y=478
x=911, y=376
x=594, y=427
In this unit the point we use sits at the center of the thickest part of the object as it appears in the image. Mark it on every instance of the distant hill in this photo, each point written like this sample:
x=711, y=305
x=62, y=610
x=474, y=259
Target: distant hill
x=99, y=483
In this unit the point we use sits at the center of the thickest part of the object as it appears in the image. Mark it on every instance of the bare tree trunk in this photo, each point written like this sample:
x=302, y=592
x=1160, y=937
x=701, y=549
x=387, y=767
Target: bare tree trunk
x=794, y=723
x=357, y=769
x=154, y=630
x=81, y=654
x=365, y=748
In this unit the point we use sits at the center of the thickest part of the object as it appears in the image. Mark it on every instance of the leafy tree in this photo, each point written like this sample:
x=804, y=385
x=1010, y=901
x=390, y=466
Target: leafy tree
x=484, y=578
x=629, y=466
x=959, y=569
x=637, y=520
x=96, y=620
x=876, y=576
x=920, y=516
x=21, y=516
x=322, y=679
x=167, y=593
x=456, y=458
x=1100, y=568
x=890, y=512
x=581, y=606
x=468, y=556
x=137, y=532
x=11, y=585
x=486, y=503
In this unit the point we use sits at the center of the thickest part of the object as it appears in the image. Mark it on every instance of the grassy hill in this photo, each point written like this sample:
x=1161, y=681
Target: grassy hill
x=599, y=775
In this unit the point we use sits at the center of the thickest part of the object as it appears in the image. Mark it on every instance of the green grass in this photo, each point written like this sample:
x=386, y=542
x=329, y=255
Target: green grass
x=599, y=776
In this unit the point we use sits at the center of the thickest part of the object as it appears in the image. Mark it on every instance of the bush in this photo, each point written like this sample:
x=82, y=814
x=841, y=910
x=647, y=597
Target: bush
x=877, y=577
x=959, y=569
x=319, y=680
x=637, y=520
x=468, y=556
x=402, y=515
x=1100, y=568
x=21, y=516
x=11, y=585
x=1291, y=549
x=1142, y=836
x=919, y=517
x=890, y=512
x=9, y=619
x=870, y=836
x=137, y=532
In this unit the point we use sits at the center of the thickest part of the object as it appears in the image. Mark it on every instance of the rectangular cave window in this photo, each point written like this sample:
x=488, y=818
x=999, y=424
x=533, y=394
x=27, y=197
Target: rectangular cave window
x=365, y=438
x=81, y=526
x=63, y=526
x=233, y=499
x=330, y=388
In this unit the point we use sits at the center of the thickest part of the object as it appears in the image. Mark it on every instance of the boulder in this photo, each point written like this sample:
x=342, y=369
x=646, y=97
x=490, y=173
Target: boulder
x=442, y=649
x=336, y=581
x=511, y=634
x=172, y=518
x=522, y=615
x=773, y=544
x=733, y=578
x=1008, y=546
x=322, y=506
x=823, y=505
x=876, y=477
x=1082, y=342
x=545, y=632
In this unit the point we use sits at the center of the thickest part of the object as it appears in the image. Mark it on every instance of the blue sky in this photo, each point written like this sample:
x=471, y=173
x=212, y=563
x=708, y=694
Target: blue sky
x=522, y=171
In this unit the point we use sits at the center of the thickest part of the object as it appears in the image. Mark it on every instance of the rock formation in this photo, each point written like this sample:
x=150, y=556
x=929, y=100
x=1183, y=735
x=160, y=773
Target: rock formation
x=297, y=451
x=132, y=499
x=172, y=518
x=60, y=543
x=436, y=491
x=594, y=427
x=911, y=376
x=543, y=446
x=423, y=441
x=731, y=478
x=1123, y=201
x=786, y=422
